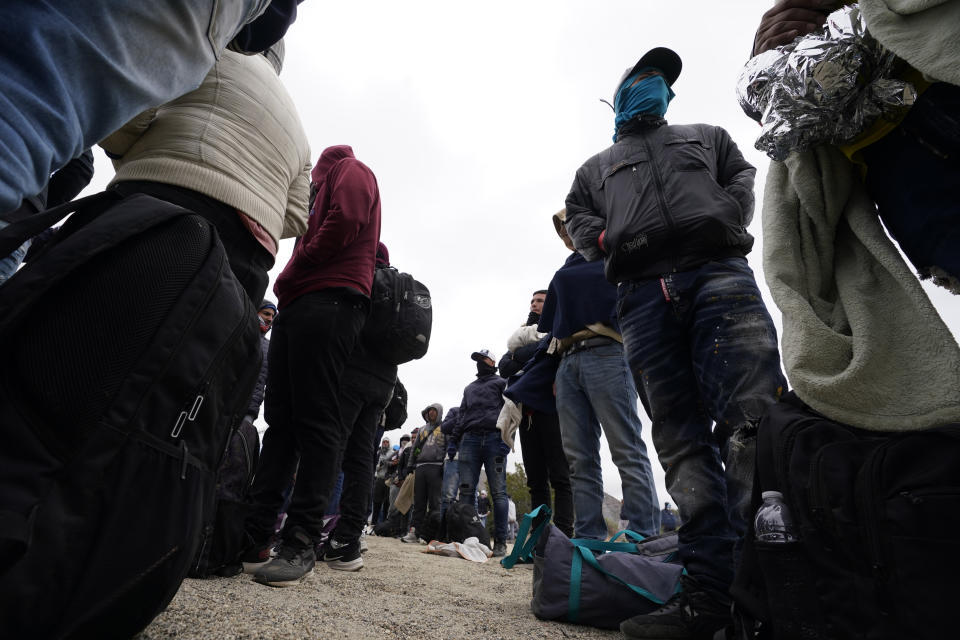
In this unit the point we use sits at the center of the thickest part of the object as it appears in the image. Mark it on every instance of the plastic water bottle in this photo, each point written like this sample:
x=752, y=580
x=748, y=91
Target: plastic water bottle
x=774, y=523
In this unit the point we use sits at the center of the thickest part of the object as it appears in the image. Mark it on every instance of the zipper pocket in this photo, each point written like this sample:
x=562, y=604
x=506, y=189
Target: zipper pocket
x=192, y=407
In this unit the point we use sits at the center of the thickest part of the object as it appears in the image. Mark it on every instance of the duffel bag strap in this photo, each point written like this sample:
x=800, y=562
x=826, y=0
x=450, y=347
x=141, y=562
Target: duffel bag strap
x=523, y=551
x=26, y=227
x=582, y=554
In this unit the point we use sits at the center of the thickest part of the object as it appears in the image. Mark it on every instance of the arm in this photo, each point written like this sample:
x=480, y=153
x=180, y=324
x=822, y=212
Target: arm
x=788, y=19
x=66, y=183
x=734, y=173
x=352, y=197
x=584, y=223
x=295, y=220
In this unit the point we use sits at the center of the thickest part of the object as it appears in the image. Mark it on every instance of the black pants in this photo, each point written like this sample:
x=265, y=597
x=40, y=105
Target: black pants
x=362, y=399
x=546, y=466
x=426, y=492
x=312, y=339
x=249, y=260
x=381, y=501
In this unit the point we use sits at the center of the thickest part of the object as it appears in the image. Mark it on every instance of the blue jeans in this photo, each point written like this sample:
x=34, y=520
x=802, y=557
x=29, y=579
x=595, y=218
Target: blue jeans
x=488, y=450
x=72, y=73
x=451, y=478
x=702, y=344
x=594, y=390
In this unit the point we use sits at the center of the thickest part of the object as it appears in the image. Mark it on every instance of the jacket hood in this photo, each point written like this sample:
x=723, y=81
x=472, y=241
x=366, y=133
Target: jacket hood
x=438, y=407
x=330, y=157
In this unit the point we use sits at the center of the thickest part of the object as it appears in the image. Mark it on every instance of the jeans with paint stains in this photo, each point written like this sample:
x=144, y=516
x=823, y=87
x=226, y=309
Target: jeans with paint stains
x=704, y=347
x=485, y=449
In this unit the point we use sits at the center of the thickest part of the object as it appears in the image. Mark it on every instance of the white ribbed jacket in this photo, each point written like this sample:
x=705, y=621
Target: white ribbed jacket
x=237, y=138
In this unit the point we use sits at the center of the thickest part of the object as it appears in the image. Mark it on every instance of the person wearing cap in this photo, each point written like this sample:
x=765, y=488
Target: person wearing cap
x=666, y=208
x=594, y=391
x=480, y=445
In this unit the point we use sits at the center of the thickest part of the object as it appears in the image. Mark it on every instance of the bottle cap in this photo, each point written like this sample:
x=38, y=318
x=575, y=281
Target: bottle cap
x=771, y=494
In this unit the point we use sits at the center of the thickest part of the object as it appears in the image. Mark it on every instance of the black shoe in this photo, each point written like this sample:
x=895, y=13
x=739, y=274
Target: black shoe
x=499, y=549
x=295, y=560
x=258, y=555
x=691, y=614
x=343, y=556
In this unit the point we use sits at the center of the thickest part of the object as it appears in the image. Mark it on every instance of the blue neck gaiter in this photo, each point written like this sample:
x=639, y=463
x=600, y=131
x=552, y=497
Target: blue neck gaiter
x=650, y=95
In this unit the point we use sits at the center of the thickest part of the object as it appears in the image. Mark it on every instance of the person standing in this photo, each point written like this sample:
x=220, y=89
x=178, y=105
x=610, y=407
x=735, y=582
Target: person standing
x=323, y=299
x=666, y=208
x=541, y=444
x=233, y=151
x=594, y=390
x=429, y=451
x=480, y=443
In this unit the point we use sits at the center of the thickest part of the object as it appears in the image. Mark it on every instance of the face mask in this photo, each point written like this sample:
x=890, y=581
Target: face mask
x=650, y=95
x=485, y=369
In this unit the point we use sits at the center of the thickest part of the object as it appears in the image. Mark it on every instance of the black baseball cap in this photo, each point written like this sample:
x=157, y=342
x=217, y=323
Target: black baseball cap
x=661, y=58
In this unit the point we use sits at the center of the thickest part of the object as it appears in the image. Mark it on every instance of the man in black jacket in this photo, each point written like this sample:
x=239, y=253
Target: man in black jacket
x=541, y=444
x=480, y=444
x=666, y=207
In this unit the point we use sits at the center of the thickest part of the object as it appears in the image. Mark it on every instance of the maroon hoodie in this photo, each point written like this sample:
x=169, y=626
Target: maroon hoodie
x=340, y=245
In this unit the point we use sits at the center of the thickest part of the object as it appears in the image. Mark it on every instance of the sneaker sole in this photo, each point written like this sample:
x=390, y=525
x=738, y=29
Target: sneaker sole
x=283, y=583
x=350, y=565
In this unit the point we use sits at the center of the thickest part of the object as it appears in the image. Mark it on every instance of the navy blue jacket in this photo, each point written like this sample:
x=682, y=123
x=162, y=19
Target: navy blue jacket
x=480, y=408
x=579, y=295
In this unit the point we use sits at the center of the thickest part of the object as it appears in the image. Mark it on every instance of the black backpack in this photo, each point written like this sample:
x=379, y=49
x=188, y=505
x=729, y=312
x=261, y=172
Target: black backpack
x=395, y=413
x=130, y=352
x=878, y=517
x=401, y=316
x=224, y=535
x=460, y=521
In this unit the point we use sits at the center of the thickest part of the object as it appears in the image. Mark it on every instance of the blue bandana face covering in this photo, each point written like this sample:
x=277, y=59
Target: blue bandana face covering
x=650, y=95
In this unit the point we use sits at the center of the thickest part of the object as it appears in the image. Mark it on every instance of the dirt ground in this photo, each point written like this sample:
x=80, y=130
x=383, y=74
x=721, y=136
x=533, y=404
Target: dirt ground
x=400, y=594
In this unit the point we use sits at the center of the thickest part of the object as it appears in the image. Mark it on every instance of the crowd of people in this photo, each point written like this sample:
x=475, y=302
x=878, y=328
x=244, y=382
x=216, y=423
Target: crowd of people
x=656, y=306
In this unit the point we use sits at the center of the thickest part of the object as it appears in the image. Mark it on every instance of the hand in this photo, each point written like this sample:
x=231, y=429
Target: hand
x=788, y=19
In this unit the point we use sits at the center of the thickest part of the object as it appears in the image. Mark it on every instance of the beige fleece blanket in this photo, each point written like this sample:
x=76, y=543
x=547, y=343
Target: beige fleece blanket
x=862, y=343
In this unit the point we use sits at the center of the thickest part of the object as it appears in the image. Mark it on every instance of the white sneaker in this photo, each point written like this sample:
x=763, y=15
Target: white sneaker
x=411, y=537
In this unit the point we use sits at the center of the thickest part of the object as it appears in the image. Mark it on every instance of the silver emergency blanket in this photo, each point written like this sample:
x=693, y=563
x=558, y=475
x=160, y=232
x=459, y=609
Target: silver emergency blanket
x=826, y=87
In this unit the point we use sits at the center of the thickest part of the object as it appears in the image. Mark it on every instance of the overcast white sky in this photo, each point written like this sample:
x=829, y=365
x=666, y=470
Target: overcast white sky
x=474, y=118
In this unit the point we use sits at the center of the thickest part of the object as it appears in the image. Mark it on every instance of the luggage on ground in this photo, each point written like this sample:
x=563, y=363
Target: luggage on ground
x=401, y=317
x=877, y=516
x=460, y=521
x=572, y=584
x=131, y=352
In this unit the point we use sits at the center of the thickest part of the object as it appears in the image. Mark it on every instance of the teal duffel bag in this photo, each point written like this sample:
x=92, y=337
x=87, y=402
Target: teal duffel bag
x=595, y=582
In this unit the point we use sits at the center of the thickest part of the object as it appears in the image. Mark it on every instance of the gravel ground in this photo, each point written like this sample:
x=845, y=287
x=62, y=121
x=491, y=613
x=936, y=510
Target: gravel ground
x=401, y=594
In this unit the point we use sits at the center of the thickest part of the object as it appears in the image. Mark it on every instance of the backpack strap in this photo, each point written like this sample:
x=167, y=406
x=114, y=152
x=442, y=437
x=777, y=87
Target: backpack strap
x=100, y=222
x=25, y=225
x=523, y=551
